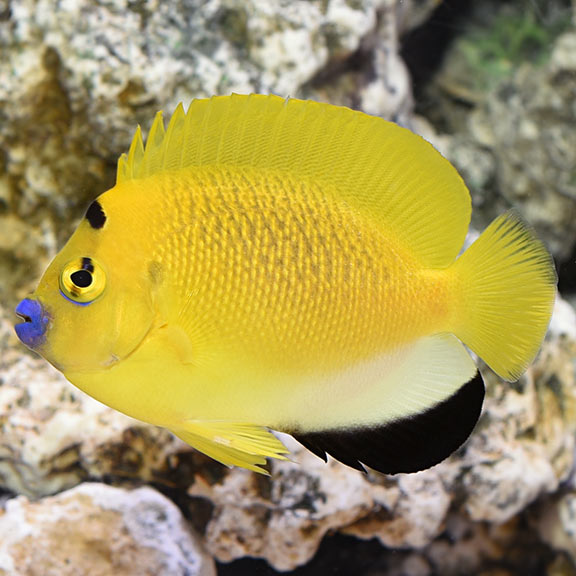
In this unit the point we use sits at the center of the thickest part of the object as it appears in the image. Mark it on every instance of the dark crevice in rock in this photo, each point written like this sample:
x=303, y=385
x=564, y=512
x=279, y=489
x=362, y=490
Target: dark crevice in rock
x=424, y=48
x=337, y=556
x=341, y=555
x=567, y=275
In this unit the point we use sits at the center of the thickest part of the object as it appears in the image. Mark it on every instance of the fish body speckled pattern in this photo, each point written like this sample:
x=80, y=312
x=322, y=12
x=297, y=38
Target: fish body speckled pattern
x=269, y=264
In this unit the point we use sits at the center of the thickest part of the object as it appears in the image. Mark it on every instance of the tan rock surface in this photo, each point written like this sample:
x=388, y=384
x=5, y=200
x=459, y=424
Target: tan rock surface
x=76, y=82
x=97, y=530
x=77, y=78
x=54, y=437
x=522, y=449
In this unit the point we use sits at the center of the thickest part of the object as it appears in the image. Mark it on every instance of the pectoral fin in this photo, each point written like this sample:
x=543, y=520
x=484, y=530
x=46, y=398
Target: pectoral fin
x=233, y=443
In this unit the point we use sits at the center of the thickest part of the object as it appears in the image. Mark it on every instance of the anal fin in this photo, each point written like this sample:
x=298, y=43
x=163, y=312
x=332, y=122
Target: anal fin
x=408, y=444
x=233, y=443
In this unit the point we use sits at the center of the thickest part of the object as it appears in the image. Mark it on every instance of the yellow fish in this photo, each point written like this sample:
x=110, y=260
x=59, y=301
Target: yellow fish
x=288, y=265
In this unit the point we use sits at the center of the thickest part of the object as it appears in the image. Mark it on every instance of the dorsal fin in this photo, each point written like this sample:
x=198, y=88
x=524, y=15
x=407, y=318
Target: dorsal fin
x=392, y=175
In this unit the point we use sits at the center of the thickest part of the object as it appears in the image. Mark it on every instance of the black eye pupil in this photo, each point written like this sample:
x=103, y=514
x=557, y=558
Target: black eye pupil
x=81, y=278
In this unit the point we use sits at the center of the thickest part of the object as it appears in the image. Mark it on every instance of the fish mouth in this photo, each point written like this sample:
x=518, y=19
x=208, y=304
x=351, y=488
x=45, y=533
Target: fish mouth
x=24, y=317
x=34, y=323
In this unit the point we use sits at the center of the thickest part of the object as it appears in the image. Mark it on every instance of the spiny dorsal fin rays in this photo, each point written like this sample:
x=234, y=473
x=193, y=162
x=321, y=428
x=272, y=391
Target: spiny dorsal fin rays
x=129, y=165
x=184, y=142
x=135, y=154
x=154, y=150
x=173, y=140
x=383, y=171
x=163, y=150
x=122, y=169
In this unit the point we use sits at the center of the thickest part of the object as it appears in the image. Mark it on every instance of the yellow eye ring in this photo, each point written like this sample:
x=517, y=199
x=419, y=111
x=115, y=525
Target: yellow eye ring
x=82, y=280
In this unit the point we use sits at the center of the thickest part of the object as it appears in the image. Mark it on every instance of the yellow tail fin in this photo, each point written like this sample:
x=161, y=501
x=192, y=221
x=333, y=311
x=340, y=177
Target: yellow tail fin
x=507, y=285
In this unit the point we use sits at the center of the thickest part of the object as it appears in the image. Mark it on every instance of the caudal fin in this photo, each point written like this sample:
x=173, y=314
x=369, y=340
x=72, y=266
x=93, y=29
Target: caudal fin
x=508, y=284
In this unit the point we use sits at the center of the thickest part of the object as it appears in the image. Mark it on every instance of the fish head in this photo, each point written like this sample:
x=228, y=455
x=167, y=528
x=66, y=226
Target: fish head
x=92, y=307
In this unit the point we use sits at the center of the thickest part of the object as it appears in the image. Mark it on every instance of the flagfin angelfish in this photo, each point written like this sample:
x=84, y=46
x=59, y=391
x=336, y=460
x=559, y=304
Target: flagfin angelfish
x=269, y=264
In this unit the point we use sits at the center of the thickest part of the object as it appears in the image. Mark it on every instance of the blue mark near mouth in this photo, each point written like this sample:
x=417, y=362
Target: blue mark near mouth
x=32, y=331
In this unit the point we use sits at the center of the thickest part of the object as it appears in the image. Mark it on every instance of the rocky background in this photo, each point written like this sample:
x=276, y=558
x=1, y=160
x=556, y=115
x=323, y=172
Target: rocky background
x=85, y=490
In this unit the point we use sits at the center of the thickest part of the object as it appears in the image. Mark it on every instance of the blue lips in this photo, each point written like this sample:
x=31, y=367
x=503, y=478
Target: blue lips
x=32, y=331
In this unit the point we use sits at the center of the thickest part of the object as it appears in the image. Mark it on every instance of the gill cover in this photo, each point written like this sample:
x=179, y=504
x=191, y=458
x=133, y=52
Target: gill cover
x=97, y=292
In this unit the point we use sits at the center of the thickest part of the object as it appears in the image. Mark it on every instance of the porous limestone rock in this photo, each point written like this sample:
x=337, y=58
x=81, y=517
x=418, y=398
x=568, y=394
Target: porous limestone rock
x=283, y=519
x=557, y=523
x=490, y=549
x=53, y=437
x=522, y=449
x=524, y=444
x=506, y=90
x=505, y=95
x=77, y=77
x=528, y=124
x=555, y=520
x=98, y=530
x=413, y=13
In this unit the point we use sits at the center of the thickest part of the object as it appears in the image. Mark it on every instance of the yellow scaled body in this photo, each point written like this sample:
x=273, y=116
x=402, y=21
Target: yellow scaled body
x=291, y=265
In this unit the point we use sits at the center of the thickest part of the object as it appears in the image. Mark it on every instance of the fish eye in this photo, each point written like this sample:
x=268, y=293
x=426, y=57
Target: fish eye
x=82, y=281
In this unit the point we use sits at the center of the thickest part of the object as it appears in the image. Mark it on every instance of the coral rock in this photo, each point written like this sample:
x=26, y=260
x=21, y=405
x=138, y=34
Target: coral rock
x=98, y=530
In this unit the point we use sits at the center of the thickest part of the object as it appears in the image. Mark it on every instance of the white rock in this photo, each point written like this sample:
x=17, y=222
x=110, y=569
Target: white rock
x=98, y=530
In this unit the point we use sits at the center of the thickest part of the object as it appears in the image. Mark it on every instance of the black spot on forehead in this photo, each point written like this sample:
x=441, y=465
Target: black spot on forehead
x=95, y=215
